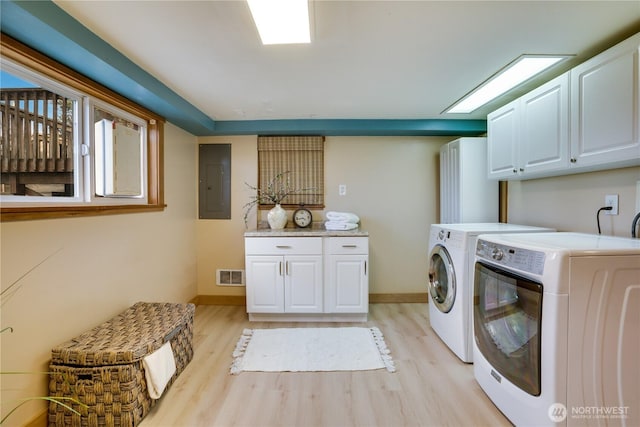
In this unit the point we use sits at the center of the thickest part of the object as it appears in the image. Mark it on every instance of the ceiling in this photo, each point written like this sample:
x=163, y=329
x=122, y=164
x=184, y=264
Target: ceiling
x=367, y=59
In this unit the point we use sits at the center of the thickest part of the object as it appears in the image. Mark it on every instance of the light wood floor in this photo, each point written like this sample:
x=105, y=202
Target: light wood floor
x=431, y=386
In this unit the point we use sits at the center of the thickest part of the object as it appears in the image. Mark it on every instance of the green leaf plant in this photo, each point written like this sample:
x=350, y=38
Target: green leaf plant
x=57, y=400
x=4, y=294
x=276, y=190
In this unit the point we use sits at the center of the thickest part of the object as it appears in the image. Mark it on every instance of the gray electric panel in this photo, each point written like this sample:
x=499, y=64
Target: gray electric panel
x=214, y=185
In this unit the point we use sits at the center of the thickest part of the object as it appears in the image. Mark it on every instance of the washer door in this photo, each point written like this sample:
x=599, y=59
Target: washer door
x=442, y=279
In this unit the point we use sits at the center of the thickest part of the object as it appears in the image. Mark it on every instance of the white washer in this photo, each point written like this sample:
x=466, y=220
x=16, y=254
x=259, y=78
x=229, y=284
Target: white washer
x=451, y=258
x=556, y=319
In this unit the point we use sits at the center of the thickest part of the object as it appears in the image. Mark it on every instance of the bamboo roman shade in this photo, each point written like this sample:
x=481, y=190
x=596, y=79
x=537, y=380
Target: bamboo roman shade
x=302, y=157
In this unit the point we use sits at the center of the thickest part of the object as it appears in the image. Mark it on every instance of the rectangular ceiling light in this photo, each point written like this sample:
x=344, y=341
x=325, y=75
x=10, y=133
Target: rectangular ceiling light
x=281, y=21
x=520, y=70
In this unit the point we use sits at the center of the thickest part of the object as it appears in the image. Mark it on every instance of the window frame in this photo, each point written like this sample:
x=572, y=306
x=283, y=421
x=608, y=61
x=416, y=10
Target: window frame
x=91, y=192
x=79, y=99
x=25, y=56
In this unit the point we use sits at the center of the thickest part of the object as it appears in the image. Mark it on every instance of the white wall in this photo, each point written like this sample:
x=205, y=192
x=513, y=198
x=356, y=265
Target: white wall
x=570, y=203
x=98, y=266
x=392, y=184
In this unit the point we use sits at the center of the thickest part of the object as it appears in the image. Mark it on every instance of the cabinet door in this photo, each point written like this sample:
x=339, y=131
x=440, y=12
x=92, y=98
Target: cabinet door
x=544, y=138
x=347, y=288
x=303, y=284
x=604, y=108
x=265, y=284
x=502, y=142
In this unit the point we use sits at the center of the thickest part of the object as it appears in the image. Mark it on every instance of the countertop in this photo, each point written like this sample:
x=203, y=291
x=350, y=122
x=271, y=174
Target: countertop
x=317, y=230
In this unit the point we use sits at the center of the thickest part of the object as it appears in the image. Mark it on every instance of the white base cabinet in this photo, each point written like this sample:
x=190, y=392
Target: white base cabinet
x=347, y=287
x=266, y=293
x=307, y=278
x=290, y=284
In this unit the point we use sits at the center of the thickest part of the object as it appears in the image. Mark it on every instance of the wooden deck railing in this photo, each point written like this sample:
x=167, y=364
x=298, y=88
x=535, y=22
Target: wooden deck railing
x=36, y=131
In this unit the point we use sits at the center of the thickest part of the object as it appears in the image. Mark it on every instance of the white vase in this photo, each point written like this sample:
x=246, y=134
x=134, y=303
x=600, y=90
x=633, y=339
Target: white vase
x=277, y=217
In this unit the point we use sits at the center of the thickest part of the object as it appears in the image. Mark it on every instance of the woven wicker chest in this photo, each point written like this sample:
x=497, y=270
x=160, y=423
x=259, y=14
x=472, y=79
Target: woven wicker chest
x=102, y=368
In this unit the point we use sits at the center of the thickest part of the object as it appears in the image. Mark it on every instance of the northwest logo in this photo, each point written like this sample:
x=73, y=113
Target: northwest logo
x=557, y=412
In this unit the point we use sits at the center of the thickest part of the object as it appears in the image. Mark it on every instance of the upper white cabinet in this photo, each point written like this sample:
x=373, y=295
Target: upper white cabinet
x=502, y=143
x=529, y=136
x=586, y=119
x=544, y=143
x=605, y=116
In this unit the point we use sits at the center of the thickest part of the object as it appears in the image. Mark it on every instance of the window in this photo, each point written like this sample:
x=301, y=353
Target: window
x=39, y=135
x=70, y=147
x=302, y=157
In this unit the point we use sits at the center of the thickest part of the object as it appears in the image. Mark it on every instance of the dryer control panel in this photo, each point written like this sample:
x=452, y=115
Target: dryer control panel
x=517, y=258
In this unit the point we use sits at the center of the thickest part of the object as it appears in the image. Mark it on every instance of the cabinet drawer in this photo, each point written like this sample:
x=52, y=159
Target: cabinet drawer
x=283, y=245
x=348, y=245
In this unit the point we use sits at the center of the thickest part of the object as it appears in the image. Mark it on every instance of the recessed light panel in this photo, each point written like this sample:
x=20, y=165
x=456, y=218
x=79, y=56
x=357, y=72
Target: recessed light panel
x=517, y=72
x=281, y=21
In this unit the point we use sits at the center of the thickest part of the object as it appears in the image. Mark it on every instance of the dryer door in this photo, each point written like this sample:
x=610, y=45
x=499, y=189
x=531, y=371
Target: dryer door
x=442, y=279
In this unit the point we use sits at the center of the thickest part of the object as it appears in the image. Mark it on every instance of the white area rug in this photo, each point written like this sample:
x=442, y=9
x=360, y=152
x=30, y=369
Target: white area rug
x=311, y=349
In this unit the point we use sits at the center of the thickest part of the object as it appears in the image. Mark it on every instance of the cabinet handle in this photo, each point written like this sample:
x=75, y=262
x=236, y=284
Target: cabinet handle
x=286, y=268
x=521, y=169
x=515, y=171
x=349, y=246
x=280, y=267
x=573, y=160
x=283, y=246
x=365, y=268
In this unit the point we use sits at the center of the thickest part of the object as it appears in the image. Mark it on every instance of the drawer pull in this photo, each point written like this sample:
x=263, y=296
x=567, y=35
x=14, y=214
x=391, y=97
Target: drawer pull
x=349, y=246
x=283, y=246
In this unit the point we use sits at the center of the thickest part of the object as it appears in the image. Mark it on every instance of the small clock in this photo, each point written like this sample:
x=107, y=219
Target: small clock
x=302, y=218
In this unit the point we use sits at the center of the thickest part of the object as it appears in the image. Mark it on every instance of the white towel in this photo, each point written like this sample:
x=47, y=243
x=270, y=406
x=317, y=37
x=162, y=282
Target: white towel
x=342, y=216
x=159, y=367
x=340, y=225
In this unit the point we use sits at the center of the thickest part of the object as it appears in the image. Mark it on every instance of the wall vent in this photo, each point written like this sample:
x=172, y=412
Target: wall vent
x=229, y=277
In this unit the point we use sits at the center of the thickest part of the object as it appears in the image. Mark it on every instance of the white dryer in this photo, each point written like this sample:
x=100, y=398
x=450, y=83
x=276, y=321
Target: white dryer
x=451, y=258
x=556, y=318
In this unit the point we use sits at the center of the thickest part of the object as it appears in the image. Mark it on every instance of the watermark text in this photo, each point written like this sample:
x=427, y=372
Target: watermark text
x=558, y=412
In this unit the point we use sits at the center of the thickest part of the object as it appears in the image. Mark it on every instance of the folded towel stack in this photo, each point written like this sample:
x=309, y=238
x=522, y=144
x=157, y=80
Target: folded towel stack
x=341, y=221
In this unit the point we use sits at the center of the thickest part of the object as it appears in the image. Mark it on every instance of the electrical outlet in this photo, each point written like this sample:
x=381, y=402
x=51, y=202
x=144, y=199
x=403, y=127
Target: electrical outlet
x=342, y=189
x=611, y=200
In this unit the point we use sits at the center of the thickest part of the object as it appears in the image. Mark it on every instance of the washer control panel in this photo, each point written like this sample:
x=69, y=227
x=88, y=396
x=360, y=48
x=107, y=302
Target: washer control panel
x=452, y=239
x=513, y=257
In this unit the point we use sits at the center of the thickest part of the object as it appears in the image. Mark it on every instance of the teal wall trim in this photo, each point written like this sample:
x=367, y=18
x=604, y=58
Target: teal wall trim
x=347, y=127
x=45, y=27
